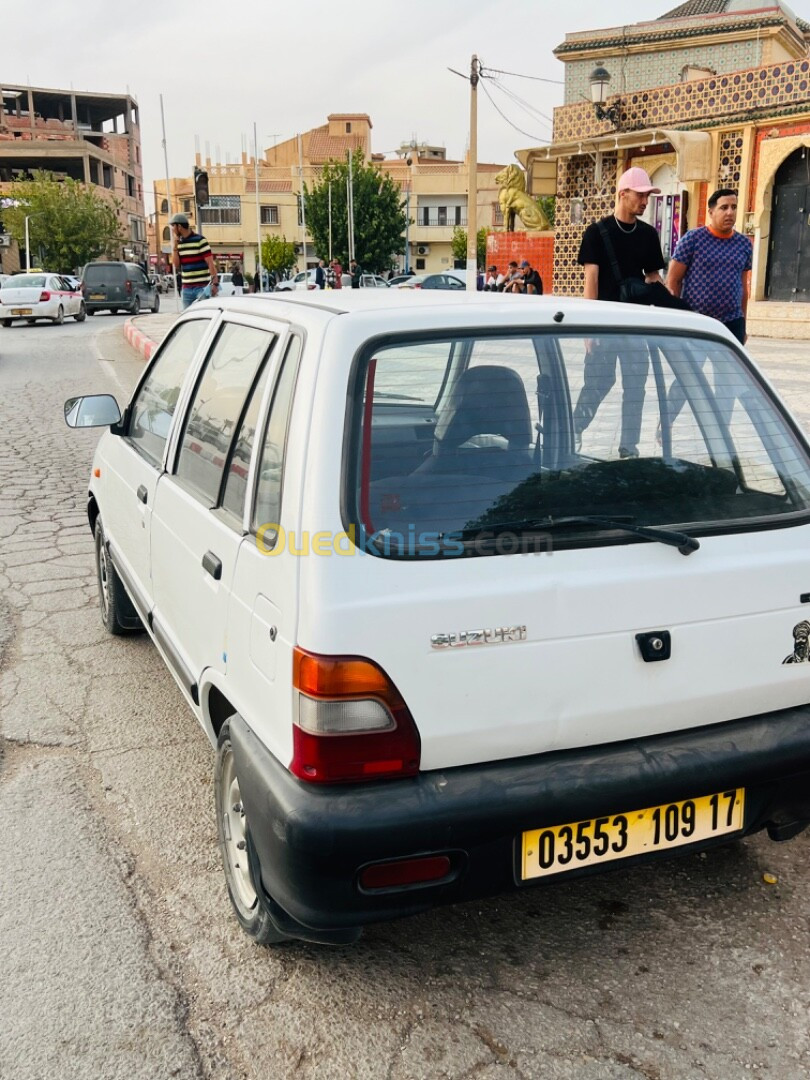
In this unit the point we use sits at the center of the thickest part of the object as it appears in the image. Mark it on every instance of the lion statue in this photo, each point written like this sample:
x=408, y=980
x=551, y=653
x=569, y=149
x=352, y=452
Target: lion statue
x=514, y=200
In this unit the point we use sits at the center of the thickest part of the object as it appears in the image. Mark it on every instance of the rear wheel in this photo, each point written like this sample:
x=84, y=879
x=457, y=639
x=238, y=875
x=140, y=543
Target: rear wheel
x=6, y=322
x=30, y=321
x=60, y=316
x=117, y=613
x=136, y=306
x=113, y=310
x=81, y=314
x=92, y=311
x=234, y=842
x=156, y=305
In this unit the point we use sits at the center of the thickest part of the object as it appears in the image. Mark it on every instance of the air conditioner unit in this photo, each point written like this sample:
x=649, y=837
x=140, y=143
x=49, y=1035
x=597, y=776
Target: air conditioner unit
x=423, y=249
x=5, y=240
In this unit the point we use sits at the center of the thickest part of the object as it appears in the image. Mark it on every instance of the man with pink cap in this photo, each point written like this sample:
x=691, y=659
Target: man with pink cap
x=613, y=250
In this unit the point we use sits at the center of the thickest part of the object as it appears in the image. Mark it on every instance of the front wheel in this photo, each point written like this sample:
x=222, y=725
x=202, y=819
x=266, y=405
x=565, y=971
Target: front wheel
x=136, y=306
x=81, y=315
x=60, y=316
x=91, y=311
x=156, y=305
x=234, y=840
x=117, y=613
x=6, y=322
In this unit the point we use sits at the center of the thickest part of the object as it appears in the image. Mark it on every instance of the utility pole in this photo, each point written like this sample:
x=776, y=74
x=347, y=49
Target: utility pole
x=168, y=203
x=472, y=182
x=303, y=205
x=259, y=267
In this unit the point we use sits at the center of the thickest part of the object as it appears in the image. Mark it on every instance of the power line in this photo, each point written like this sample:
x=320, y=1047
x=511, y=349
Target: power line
x=528, y=134
x=536, y=114
x=517, y=75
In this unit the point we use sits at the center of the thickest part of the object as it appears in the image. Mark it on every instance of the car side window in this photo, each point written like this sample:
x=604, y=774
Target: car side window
x=153, y=406
x=233, y=498
x=217, y=406
x=271, y=462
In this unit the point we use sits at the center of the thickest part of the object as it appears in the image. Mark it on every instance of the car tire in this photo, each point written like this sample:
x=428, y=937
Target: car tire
x=113, y=310
x=81, y=314
x=91, y=311
x=7, y=322
x=30, y=321
x=117, y=611
x=60, y=316
x=235, y=848
x=156, y=305
x=136, y=306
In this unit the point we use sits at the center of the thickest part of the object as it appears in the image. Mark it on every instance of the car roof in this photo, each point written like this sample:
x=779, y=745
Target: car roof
x=471, y=309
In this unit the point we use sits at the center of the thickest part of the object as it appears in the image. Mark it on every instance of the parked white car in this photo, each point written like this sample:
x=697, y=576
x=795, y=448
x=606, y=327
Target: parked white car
x=39, y=296
x=460, y=613
x=303, y=280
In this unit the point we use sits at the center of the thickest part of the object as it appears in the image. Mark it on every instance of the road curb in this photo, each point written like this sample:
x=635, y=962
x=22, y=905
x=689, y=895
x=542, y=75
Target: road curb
x=139, y=341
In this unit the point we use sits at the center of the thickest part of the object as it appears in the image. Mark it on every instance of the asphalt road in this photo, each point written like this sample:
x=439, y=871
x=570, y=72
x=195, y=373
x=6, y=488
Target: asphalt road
x=120, y=957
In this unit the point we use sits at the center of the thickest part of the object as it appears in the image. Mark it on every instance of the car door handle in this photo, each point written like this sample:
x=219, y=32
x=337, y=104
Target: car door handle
x=142, y=493
x=212, y=565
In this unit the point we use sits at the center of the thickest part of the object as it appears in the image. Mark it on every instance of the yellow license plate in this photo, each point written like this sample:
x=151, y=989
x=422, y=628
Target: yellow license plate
x=619, y=836
x=97, y=296
x=21, y=311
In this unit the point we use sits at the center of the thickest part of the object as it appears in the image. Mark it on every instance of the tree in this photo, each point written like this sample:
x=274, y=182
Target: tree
x=278, y=254
x=458, y=244
x=70, y=224
x=379, y=218
x=547, y=204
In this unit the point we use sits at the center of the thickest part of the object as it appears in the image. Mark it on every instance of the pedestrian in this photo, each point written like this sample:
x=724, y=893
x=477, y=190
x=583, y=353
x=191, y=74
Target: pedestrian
x=191, y=255
x=532, y=282
x=238, y=281
x=356, y=272
x=493, y=280
x=514, y=278
x=320, y=275
x=618, y=253
x=711, y=271
x=337, y=271
x=256, y=287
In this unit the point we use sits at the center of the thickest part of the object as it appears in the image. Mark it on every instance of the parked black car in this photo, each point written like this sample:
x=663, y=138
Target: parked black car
x=118, y=286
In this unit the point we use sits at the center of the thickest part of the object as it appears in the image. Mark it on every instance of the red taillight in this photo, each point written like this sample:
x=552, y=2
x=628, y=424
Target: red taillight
x=43, y=296
x=391, y=875
x=351, y=722
x=417, y=286
x=129, y=286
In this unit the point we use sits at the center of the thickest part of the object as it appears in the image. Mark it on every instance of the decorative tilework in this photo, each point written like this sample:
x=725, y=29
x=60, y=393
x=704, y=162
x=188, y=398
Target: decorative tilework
x=728, y=172
x=576, y=179
x=701, y=103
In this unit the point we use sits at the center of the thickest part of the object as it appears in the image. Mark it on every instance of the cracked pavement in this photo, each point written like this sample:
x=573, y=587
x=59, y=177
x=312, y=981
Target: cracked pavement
x=120, y=954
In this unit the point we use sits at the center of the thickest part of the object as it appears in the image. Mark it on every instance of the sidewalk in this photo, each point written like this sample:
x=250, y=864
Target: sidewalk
x=145, y=332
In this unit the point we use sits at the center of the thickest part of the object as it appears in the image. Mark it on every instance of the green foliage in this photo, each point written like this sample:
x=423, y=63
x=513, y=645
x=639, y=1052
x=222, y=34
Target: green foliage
x=70, y=224
x=458, y=244
x=278, y=254
x=547, y=204
x=379, y=218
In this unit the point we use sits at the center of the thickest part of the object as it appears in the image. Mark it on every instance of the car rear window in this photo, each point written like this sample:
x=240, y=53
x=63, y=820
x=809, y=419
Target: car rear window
x=457, y=441
x=101, y=274
x=25, y=281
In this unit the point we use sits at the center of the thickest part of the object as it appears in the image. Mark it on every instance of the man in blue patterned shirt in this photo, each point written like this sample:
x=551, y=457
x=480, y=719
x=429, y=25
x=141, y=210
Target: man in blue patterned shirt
x=711, y=266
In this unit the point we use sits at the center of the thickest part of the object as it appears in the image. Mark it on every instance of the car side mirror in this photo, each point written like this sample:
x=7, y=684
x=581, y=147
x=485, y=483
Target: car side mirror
x=92, y=410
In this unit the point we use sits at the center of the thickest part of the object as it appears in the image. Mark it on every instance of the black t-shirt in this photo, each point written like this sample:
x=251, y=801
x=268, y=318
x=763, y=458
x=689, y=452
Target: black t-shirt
x=533, y=278
x=637, y=253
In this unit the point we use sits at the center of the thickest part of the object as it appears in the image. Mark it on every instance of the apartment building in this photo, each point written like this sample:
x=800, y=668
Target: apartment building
x=93, y=138
x=434, y=190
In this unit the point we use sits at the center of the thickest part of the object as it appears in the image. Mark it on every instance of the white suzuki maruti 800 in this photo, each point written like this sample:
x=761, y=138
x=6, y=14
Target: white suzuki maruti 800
x=469, y=594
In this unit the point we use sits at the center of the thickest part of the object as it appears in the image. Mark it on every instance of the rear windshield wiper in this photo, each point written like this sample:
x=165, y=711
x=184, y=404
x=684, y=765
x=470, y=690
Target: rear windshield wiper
x=684, y=543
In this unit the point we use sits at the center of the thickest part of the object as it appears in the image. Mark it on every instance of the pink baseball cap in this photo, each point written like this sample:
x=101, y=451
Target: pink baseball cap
x=636, y=179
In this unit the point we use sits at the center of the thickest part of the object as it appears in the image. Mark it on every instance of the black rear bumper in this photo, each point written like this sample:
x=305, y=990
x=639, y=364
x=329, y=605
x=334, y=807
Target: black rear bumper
x=311, y=841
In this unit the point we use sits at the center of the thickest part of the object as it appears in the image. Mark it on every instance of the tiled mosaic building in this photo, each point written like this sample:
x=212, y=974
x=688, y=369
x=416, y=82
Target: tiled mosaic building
x=743, y=127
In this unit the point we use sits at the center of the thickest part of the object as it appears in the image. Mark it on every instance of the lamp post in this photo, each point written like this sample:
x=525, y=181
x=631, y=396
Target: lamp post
x=28, y=244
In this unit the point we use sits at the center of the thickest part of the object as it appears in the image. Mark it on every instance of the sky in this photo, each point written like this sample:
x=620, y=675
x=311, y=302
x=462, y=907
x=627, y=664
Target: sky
x=286, y=65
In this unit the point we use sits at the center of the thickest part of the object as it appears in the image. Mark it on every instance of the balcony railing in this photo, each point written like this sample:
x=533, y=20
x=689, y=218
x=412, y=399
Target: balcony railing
x=445, y=221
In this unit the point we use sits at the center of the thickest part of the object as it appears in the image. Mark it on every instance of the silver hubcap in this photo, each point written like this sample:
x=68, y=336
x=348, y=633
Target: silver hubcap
x=234, y=829
x=103, y=579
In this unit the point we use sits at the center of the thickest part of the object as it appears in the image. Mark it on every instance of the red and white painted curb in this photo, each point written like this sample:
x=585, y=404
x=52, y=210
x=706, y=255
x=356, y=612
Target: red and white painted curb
x=139, y=341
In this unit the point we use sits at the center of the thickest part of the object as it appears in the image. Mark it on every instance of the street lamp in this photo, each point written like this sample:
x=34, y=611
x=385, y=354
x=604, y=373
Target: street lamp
x=600, y=81
x=27, y=243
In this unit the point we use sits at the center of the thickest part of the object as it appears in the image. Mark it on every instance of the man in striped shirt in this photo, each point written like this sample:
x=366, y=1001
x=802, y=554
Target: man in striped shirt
x=192, y=257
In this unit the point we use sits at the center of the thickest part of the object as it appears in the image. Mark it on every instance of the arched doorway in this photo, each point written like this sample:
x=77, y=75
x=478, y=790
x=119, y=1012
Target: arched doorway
x=789, y=250
x=664, y=211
